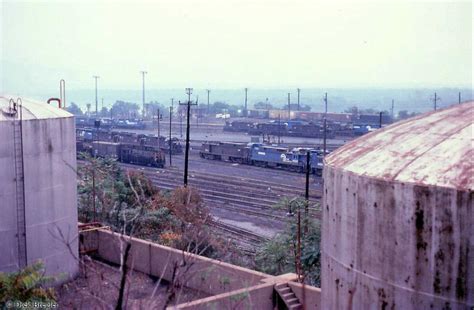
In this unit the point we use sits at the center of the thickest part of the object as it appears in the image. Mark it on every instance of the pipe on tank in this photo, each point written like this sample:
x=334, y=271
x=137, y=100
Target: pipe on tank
x=55, y=99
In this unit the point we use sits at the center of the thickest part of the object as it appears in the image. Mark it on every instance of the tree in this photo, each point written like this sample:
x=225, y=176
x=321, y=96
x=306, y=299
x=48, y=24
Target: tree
x=153, y=107
x=305, y=108
x=279, y=255
x=104, y=112
x=74, y=109
x=28, y=284
x=263, y=106
x=123, y=109
x=354, y=110
x=403, y=114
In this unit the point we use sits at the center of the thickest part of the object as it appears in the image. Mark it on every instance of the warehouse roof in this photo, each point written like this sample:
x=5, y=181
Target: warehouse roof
x=434, y=148
x=31, y=109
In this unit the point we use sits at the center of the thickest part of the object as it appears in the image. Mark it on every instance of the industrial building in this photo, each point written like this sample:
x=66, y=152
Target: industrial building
x=398, y=216
x=37, y=187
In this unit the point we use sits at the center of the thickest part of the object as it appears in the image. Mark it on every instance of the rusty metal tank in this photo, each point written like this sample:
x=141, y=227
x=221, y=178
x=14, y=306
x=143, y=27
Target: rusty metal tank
x=398, y=216
x=38, y=204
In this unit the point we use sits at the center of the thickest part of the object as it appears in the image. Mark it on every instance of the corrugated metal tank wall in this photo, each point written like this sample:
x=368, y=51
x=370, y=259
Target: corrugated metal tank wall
x=49, y=160
x=398, y=217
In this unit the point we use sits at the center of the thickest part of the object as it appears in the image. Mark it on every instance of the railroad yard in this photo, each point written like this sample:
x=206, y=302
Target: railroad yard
x=243, y=200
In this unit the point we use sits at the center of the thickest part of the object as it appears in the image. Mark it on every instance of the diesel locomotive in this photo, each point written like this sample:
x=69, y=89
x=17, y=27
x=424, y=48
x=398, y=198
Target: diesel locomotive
x=264, y=156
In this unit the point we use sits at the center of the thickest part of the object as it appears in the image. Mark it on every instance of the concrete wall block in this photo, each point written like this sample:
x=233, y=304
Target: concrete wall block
x=312, y=295
x=255, y=297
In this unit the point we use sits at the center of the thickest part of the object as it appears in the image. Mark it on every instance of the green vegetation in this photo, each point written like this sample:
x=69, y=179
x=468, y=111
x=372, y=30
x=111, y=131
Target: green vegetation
x=128, y=202
x=279, y=255
x=27, y=284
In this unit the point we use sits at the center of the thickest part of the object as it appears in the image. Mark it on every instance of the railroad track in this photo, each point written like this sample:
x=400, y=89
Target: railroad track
x=247, y=198
x=246, y=240
x=238, y=195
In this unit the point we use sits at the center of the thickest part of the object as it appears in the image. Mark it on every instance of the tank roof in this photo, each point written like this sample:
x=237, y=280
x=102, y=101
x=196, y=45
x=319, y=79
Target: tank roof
x=434, y=148
x=32, y=109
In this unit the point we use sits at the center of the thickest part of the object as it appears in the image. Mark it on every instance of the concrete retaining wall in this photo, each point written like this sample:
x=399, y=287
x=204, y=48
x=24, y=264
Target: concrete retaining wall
x=197, y=272
x=255, y=297
x=312, y=295
x=231, y=287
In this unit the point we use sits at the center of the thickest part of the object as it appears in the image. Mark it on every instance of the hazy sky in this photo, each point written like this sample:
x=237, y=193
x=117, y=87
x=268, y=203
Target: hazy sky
x=228, y=43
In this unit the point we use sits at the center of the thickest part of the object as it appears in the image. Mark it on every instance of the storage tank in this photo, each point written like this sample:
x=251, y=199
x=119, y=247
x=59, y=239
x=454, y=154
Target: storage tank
x=398, y=216
x=37, y=187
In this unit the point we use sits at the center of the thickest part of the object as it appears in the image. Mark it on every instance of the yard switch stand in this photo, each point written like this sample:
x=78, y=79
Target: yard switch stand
x=186, y=154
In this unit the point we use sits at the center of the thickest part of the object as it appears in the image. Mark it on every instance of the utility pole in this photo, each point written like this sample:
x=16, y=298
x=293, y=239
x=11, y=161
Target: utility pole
x=245, y=109
x=102, y=107
x=171, y=116
x=435, y=101
x=289, y=108
x=459, y=97
x=279, y=126
x=186, y=154
x=324, y=124
x=208, y=105
x=306, y=195
x=393, y=105
x=380, y=120
x=181, y=122
x=158, y=117
x=299, y=90
x=143, y=92
x=96, y=104
x=198, y=113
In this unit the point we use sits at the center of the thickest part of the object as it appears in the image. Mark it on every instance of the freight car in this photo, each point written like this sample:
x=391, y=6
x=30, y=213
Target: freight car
x=284, y=128
x=238, y=126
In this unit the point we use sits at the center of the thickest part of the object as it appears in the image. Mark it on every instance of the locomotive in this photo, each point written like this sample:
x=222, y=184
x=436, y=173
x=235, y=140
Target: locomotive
x=98, y=134
x=124, y=152
x=264, y=156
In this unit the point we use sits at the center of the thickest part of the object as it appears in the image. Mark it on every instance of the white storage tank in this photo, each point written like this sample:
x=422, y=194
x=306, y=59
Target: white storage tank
x=38, y=203
x=398, y=216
